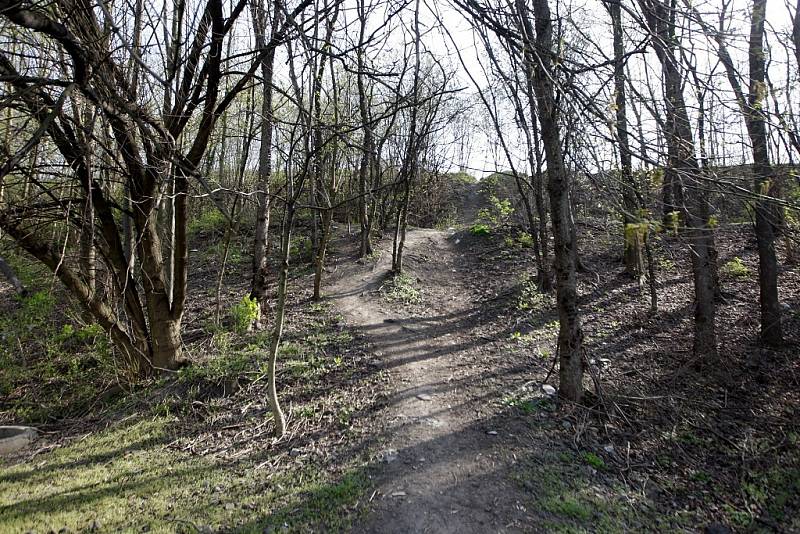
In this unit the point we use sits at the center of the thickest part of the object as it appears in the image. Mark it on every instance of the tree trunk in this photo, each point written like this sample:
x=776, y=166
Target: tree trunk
x=259, y=283
x=767, y=213
x=633, y=253
x=366, y=165
x=570, y=335
x=280, y=313
x=682, y=161
x=11, y=276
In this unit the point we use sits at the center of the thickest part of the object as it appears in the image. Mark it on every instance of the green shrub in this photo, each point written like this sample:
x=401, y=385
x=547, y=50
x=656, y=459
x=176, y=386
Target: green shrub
x=530, y=298
x=300, y=248
x=208, y=221
x=479, y=229
x=244, y=313
x=498, y=213
x=736, y=269
x=402, y=288
x=525, y=240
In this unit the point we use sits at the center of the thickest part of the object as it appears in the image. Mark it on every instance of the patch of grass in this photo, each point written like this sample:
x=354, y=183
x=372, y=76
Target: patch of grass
x=321, y=503
x=531, y=299
x=53, y=366
x=568, y=507
x=126, y=479
x=525, y=405
x=594, y=460
x=402, y=288
x=559, y=483
x=133, y=474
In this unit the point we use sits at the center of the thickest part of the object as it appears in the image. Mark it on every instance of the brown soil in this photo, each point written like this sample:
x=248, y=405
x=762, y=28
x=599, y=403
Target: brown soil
x=468, y=441
x=444, y=465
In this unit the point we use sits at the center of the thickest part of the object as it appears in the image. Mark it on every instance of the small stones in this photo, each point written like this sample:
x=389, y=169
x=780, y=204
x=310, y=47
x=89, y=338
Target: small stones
x=388, y=456
x=432, y=422
x=548, y=390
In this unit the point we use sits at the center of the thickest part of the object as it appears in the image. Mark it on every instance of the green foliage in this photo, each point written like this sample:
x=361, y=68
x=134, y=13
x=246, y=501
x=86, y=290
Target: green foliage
x=497, y=214
x=559, y=484
x=462, y=177
x=569, y=507
x=479, y=229
x=735, y=268
x=103, y=481
x=525, y=240
x=673, y=221
x=244, y=313
x=522, y=240
x=530, y=298
x=636, y=233
x=214, y=253
x=402, y=288
x=527, y=405
x=594, y=460
x=227, y=364
x=300, y=248
x=62, y=365
x=207, y=222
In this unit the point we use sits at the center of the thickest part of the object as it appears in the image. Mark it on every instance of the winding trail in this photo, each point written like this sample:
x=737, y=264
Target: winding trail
x=442, y=465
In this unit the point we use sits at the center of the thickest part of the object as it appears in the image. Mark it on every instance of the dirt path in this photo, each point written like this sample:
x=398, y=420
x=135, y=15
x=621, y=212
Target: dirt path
x=443, y=467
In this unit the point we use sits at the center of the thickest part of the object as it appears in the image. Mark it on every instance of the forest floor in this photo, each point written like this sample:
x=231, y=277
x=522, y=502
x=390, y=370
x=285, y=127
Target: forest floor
x=418, y=403
x=471, y=440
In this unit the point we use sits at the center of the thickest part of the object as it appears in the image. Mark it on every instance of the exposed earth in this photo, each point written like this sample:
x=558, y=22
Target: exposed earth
x=426, y=403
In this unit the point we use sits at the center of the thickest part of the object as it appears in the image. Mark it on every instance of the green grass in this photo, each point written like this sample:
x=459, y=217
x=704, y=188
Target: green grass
x=126, y=478
x=594, y=460
x=568, y=507
x=569, y=497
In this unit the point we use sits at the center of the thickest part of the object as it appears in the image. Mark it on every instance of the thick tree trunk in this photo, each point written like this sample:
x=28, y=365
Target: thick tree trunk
x=366, y=166
x=767, y=214
x=683, y=163
x=166, y=352
x=570, y=335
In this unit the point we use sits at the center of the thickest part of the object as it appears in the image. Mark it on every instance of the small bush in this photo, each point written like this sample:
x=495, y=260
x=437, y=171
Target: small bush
x=498, y=213
x=244, y=313
x=736, y=269
x=530, y=298
x=207, y=222
x=301, y=249
x=401, y=288
x=525, y=240
x=480, y=229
